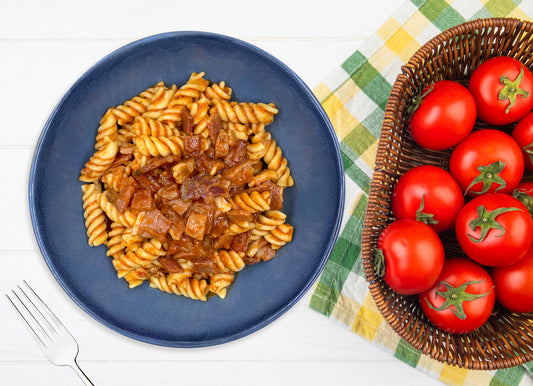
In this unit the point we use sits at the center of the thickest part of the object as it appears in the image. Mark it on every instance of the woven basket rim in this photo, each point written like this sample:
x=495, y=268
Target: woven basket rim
x=420, y=57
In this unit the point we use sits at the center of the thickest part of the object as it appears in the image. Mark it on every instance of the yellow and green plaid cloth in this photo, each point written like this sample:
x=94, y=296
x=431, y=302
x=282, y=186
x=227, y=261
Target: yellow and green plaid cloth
x=354, y=97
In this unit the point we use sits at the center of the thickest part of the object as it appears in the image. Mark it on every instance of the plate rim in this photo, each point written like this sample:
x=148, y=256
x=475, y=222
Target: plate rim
x=38, y=233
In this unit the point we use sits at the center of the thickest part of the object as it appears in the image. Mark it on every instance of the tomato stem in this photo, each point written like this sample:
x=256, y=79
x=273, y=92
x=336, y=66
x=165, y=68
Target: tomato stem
x=489, y=174
x=456, y=296
x=418, y=101
x=426, y=218
x=486, y=221
x=525, y=199
x=379, y=263
x=511, y=89
x=529, y=151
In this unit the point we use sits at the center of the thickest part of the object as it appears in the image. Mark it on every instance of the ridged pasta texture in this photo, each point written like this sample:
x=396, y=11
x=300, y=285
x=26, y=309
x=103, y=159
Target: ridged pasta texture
x=185, y=188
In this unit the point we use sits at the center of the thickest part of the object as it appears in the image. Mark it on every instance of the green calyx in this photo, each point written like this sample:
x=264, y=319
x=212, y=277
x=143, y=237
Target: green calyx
x=529, y=151
x=456, y=296
x=487, y=220
x=489, y=174
x=426, y=218
x=379, y=263
x=418, y=101
x=511, y=89
x=525, y=199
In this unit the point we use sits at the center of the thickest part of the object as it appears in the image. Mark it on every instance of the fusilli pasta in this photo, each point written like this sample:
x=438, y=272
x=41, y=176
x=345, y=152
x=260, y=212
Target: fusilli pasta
x=185, y=188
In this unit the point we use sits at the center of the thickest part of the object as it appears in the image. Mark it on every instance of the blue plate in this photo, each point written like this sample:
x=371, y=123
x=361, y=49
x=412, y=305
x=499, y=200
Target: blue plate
x=261, y=292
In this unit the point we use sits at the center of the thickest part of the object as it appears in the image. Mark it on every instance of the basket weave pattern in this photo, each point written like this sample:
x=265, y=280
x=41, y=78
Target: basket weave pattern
x=506, y=340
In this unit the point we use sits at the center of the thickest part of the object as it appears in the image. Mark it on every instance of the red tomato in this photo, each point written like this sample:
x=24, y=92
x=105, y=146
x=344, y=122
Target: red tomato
x=487, y=161
x=494, y=229
x=428, y=194
x=524, y=193
x=523, y=135
x=411, y=255
x=443, y=115
x=462, y=299
x=514, y=284
x=502, y=88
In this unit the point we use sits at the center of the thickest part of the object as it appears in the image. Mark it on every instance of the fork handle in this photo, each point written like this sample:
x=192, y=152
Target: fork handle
x=81, y=374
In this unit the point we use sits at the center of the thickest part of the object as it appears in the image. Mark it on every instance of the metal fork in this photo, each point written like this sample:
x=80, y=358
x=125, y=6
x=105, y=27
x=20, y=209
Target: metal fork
x=53, y=338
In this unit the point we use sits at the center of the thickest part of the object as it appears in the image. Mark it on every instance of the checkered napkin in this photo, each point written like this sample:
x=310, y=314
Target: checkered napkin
x=354, y=97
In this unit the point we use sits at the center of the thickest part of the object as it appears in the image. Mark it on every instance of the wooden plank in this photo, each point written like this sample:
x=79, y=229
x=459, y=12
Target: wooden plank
x=107, y=19
x=16, y=232
x=221, y=372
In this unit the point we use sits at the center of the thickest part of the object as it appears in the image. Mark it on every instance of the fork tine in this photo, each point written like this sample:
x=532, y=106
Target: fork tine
x=33, y=333
x=46, y=309
x=39, y=317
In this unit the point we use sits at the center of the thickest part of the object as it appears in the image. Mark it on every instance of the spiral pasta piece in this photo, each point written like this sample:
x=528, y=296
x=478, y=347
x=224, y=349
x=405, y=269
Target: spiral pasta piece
x=134, y=277
x=160, y=101
x=195, y=289
x=159, y=146
x=138, y=161
x=238, y=130
x=257, y=148
x=279, y=236
x=140, y=257
x=263, y=146
x=99, y=161
x=171, y=116
x=267, y=222
x=219, y=283
x=136, y=106
x=151, y=250
x=229, y=260
x=182, y=98
x=253, y=202
x=180, y=285
x=255, y=246
x=245, y=112
x=194, y=87
x=124, y=136
x=257, y=128
x=150, y=127
x=114, y=244
x=276, y=162
x=107, y=129
x=263, y=176
x=218, y=91
x=199, y=110
x=238, y=227
x=165, y=283
x=130, y=240
x=94, y=215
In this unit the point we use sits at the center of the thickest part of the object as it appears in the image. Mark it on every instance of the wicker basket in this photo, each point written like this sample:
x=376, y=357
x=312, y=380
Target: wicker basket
x=506, y=340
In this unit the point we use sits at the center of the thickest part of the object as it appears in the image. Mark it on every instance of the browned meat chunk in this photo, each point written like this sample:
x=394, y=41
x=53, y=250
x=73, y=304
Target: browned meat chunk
x=124, y=198
x=170, y=265
x=187, y=122
x=142, y=200
x=196, y=226
x=154, y=224
x=240, y=242
x=214, y=125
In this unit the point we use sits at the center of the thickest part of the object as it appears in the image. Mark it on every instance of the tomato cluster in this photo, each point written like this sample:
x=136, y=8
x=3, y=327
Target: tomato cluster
x=483, y=200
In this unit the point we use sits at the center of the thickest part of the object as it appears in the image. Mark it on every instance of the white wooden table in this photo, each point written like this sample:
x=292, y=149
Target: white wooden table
x=44, y=47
